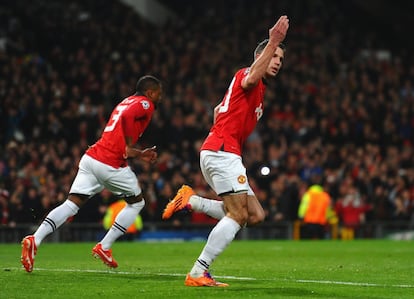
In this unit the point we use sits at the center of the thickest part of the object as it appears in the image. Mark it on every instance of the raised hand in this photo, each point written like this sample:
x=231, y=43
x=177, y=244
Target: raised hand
x=278, y=32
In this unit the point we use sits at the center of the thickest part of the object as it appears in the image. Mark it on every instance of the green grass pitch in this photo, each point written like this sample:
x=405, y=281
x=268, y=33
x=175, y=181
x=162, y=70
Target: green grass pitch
x=254, y=269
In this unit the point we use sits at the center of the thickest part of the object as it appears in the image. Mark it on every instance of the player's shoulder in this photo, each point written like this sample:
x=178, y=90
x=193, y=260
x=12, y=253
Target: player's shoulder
x=241, y=74
x=141, y=102
x=242, y=71
x=146, y=104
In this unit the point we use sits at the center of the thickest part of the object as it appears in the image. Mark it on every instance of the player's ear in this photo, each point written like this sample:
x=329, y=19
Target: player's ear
x=149, y=93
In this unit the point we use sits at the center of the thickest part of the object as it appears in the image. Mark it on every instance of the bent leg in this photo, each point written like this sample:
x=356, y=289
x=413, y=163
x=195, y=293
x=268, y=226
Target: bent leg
x=210, y=207
x=58, y=216
x=223, y=233
x=123, y=220
x=255, y=210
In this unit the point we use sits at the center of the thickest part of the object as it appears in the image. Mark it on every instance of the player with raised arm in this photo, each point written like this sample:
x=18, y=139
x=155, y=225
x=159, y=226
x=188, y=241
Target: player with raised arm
x=220, y=156
x=105, y=165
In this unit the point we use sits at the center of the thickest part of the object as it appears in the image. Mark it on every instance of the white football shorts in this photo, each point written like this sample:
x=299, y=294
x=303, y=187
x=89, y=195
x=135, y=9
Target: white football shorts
x=224, y=172
x=93, y=176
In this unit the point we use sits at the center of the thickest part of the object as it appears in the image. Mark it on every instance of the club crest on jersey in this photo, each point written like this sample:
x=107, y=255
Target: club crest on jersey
x=145, y=104
x=241, y=179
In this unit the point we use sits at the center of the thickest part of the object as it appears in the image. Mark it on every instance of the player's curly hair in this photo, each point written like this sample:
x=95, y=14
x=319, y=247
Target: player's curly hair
x=263, y=44
x=146, y=83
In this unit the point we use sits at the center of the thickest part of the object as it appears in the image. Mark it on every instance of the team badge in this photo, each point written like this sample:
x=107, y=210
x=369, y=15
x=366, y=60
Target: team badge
x=241, y=179
x=145, y=104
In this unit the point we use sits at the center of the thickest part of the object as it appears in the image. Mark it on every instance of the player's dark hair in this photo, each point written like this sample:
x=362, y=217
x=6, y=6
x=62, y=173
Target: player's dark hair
x=262, y=45
x=146, y=83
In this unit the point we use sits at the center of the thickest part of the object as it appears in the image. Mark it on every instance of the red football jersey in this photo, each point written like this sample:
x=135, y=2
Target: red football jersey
x=129, y=118
x=237, y=117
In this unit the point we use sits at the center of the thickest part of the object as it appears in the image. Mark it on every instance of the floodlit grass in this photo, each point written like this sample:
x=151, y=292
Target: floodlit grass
x=254, y=269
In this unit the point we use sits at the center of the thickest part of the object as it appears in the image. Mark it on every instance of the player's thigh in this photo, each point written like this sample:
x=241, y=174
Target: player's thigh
x=206, y=172
x=123, y=182
x=93, y=176
x=86, y=182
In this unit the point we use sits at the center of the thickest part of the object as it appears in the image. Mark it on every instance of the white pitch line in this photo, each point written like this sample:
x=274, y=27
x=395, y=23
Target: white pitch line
x=348, y=283
x=362, y=284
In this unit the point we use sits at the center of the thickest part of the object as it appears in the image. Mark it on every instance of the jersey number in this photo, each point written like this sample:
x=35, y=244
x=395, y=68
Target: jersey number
x=226, y=103
x=225, y=106
x=114, y=118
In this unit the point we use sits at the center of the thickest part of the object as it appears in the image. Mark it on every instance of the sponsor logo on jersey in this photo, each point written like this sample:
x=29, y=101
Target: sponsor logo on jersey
x=259, y=112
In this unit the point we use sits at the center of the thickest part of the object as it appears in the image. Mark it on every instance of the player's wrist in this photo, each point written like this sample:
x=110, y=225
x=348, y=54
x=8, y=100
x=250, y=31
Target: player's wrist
x=273, y=44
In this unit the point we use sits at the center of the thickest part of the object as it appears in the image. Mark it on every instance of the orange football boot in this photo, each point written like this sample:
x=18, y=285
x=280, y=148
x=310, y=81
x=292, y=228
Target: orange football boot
x=204, y=281
x=29, y=251
x=179, y=202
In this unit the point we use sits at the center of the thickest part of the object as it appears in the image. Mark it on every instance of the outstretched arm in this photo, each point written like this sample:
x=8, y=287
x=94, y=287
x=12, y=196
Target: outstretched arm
x=258, y=69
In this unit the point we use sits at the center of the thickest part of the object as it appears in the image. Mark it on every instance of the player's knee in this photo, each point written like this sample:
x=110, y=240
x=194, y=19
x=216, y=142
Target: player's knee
x=241, y=217
x=260, y=216
x=138, y=205
x=257, y=218
x=72, y=205
x=134, y=199
x=77, y=199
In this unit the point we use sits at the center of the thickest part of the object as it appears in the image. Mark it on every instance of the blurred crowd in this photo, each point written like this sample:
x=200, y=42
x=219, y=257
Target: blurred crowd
x=339, y=114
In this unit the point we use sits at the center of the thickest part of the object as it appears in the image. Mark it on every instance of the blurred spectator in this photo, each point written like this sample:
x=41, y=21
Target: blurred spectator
x=4, y=206
x=273, y=210
x=314, y=210
x=351, y=211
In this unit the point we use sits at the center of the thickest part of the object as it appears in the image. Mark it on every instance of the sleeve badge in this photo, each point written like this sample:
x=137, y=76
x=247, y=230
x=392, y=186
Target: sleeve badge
x=145, y=104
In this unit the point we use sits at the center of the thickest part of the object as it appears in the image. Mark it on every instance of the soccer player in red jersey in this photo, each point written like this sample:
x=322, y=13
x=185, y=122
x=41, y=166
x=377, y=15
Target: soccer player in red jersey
x=220, y=156
x=104, y=165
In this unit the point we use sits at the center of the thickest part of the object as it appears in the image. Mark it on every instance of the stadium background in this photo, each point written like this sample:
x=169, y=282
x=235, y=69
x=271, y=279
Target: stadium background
x=340, y=113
